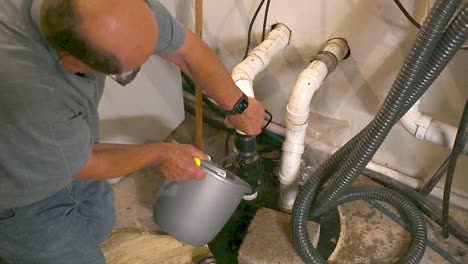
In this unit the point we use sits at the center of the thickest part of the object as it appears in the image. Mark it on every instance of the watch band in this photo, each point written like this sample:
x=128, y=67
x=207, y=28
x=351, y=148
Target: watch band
x=240, y=106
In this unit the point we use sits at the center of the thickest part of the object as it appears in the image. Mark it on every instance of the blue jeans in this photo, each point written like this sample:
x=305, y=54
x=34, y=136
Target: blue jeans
x=66, y=228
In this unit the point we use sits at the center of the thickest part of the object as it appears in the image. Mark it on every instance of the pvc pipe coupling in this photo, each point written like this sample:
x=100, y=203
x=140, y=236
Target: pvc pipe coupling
x=336, y=49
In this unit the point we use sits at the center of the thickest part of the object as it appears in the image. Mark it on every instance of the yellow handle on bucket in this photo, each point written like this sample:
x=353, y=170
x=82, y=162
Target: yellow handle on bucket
x=197, y=161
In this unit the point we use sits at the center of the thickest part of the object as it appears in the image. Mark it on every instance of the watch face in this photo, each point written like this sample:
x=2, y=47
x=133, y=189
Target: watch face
x=242, y=106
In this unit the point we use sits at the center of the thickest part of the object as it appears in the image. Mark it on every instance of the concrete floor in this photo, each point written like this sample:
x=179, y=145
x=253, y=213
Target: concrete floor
x=370, y=236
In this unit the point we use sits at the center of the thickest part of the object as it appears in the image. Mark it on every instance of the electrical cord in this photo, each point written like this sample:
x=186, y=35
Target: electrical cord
x=407, y=15
x=269, y=120
x=265, y=19
x=249, y=38
x=247, y=49
x=432, y=182
x=252, y=22
x=459, y=145
x=412, y=20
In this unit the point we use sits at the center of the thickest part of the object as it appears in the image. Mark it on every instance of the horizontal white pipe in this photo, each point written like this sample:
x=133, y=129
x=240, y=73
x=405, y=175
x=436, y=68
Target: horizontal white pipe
x=396, y=175
x=297, y=116
x=423, y=127
x=458, y=198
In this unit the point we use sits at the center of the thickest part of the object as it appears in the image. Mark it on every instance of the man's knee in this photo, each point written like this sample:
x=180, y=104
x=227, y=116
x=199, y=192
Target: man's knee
x=52, y=231
x=101, y=229
x=56, y=251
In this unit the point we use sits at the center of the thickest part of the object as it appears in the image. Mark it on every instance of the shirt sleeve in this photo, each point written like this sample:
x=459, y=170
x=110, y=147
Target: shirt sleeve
x=171, y=31
x=34, y=152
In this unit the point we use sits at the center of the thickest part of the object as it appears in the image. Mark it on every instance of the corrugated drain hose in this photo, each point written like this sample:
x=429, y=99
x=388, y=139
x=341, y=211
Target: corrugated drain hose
x=432, y=50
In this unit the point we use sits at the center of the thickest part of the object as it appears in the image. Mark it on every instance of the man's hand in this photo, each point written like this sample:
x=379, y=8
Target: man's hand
x=199, y=62
x=176, y=161
x=179, y=163
x=249, y=122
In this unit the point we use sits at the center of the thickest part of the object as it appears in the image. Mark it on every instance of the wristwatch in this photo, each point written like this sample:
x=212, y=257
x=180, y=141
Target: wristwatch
x=240, y=106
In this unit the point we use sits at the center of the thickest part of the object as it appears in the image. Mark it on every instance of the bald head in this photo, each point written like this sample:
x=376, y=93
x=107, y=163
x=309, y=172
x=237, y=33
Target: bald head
x=108, y=36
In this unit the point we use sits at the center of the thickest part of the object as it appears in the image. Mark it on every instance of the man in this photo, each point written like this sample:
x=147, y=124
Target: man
x=55, y=205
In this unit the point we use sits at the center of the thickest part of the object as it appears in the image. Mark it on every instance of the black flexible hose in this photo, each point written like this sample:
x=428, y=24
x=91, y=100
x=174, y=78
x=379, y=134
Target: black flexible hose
x=349, y=161
x=453, y=38
x=406, y=208
x=430, y=34
x=447, y=48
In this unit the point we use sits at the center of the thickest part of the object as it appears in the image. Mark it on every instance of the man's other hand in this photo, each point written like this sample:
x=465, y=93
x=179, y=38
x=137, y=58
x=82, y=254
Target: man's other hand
x=251, y=121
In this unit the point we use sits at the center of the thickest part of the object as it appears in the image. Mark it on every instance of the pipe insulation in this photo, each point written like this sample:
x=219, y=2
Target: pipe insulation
x=297, y=116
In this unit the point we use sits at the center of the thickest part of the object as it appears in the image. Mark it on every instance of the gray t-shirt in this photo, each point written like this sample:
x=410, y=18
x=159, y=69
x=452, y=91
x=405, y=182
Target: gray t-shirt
x=48, y=118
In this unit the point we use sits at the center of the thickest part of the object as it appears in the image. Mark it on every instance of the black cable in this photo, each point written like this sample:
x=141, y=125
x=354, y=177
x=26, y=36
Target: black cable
x=226, y=143
x=247, y=48
x=432, y=182
x=458, y=147
x=412, y=20
x=407, y=15
x=269, y=120
x=265, y=19
x=252, y=22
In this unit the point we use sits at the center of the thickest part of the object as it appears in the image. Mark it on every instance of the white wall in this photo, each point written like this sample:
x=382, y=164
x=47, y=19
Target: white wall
x=379, y=37
x=149, y=108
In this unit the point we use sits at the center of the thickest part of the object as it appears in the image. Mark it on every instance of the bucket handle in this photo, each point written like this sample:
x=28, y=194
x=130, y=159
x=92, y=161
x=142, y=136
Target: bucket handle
x=250, y=197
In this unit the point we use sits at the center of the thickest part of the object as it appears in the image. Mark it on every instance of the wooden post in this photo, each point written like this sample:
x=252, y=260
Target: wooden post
x=198, y=91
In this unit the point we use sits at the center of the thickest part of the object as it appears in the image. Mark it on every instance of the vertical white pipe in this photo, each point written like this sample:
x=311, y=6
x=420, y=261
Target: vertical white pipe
x=297, y=117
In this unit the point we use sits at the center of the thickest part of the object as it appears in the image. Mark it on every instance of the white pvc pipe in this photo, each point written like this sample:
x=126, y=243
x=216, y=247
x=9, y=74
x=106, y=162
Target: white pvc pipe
x=423, y=127
x=257, y=60
x=297, y=116
x=458, y=198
